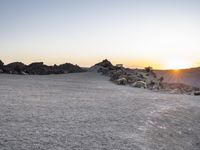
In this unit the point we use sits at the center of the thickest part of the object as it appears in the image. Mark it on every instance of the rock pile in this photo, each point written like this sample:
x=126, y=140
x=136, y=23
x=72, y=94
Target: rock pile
x=145, y=78
x=141, y=78
x=38, y=68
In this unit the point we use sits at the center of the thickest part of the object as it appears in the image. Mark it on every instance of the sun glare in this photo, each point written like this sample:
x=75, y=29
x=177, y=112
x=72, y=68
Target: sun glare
x=177, y=64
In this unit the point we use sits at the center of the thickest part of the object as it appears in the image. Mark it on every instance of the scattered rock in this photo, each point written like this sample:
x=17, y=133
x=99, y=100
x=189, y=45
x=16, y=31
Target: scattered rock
x=116, y=74
x=103, y=70
x=139, y=84
x=197, y=93
x=133, y=78
x=141, y=78
x=121, y=81
x=121, y=75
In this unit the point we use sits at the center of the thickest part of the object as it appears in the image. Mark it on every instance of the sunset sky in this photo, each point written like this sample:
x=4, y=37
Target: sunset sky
x=160, y=33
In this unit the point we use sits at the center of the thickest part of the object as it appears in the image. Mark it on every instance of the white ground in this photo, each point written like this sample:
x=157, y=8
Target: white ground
x=86, y=111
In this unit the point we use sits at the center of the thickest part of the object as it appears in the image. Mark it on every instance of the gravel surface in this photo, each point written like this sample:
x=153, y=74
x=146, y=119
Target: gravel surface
x=85, y=111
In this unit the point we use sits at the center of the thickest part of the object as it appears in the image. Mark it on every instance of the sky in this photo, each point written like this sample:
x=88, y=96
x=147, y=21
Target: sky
x=163, y=34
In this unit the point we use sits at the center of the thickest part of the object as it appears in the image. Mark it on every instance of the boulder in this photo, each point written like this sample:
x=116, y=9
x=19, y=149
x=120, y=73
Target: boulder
x=37, y=68
x=14, y=68
x=114, y=75
x=36, y=64
x=104, y=71
x=139, y=84
x=1, y=64
x=103, y=67
x=56, y=70
x=70, y=68
x=197, y=93
x=175, y=91
x=121, y=81
x=141, y=76
x=104, y=63
x=154, y=84
x=132, y=78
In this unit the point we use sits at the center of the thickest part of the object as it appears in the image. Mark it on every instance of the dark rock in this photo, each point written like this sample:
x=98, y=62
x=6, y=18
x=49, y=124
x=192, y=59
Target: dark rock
x=14, y=68
x=139, y=84
x=148, y=69
x=121, y=81
x=56, y=70
x=70, y=68
x=114, y=75
x=140, y=76
x=38, y=68
x=104, y=63
x=132, y=78
x=104, y=71
x=197, y=93
x=36, y=64
x=1, y=64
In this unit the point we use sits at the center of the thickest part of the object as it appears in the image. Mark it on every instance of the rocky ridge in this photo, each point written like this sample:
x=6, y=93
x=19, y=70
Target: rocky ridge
x=38, y=68
x=141, y=78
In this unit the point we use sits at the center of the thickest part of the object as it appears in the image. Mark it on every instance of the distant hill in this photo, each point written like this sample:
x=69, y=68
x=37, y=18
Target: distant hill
x=187, y=76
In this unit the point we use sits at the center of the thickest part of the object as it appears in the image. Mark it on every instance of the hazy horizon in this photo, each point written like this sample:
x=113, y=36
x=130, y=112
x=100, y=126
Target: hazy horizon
x=161, y=34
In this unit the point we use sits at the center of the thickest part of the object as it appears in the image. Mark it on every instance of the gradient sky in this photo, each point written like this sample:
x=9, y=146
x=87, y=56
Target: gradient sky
x=137, y=33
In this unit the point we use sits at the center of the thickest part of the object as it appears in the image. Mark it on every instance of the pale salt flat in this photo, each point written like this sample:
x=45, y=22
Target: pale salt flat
x=85, y=111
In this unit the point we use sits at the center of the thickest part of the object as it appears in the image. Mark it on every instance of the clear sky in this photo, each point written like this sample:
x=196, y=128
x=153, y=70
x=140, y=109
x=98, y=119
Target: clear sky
x=137, y=33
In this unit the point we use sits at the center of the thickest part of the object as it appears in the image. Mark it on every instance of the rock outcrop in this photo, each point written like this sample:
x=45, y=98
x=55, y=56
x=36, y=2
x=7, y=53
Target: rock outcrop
x=139, y=84
x=105, y=66
x=121, y=81
x=70, y=68
x=38, y=68
x=143, y=78
x=105, y=63
x=1, y=66
x=14, y=68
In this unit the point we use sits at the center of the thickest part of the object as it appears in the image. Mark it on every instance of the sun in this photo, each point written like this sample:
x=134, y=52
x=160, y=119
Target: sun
x=177, y=64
